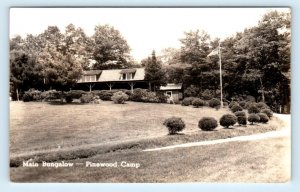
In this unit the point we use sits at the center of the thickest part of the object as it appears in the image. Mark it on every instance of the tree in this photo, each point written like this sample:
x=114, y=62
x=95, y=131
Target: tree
x=111, y=50
x=266, y=55
x=154, y=72
x=60, y=58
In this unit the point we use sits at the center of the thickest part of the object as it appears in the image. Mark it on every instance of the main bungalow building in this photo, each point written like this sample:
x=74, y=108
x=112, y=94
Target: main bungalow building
x=123, y=79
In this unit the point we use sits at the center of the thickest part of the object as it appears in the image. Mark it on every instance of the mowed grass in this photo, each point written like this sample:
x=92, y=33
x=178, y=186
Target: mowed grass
x=263, y=161
x=37, y=125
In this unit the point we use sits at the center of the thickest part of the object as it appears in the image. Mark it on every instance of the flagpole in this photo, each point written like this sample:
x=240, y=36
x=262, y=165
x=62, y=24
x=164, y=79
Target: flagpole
x=221, y=86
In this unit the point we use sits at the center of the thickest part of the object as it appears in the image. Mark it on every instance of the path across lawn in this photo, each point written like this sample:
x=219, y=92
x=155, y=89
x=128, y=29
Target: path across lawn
x=285, y=131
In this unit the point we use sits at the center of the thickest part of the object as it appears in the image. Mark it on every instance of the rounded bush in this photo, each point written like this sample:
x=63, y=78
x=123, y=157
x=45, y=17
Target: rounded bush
x=228, y=120
x=243, y=104
x=253, y=109
x=242, y=120
x=253, y=118
x=198, y=102
x=119, y=97
x=174, y=125
x=87, y=98
x=207, y=123
x=51, y=95
x=32, y=95
x=263, y=118
x=138, y=95
x=236, y=108
x=262, y=105
x=225, y=104
x=75, y=94
x=240, y=113
x=268, y=112
x=214, y=102
x=232, y=103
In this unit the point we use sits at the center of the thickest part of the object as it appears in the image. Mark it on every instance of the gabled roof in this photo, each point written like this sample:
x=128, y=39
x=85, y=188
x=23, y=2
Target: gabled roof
x=171, y=86
x=115, y=75
x=128, y=71
x=92, y=72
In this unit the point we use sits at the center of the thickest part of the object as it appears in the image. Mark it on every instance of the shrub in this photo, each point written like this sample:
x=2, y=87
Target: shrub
x=32, y=95
x=225, y=104
x=253, y=118
x=262, y=105
x=268, y=112
x=50, y=95
x=105, y=95
x=137, y=95
x=188, y=101
x=207, y=124
x=242, y=120
x=69, y=99
x=75, y=94
x=87, y=98
x=228, y=120
x=249, y=103
x=240, y=113
x=119, y=97
x=214, y=102
x=243, y=104
x=232, y=103
x=236, y=108
x=198, y=102
x=253, y=109
x=192, y=91
x=174, y=125
x=207, y=94
x=263, y=118
x=150, y=97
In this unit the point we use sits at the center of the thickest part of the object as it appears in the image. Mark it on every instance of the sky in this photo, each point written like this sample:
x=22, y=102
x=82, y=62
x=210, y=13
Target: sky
x=145, y=29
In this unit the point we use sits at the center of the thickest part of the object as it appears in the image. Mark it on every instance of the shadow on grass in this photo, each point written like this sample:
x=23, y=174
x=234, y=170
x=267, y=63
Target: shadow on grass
x=64, y=103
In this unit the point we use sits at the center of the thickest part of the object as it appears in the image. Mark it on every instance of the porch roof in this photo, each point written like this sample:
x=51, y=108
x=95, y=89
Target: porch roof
x=171, y=86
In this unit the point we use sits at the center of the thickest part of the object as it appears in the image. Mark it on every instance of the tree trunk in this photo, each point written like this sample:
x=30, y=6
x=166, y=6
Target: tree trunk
x=262, y=90
x=62, y=97
x=149, y=86
x=18, y=98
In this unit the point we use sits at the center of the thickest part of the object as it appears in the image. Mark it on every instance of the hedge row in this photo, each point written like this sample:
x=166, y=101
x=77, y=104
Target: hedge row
x=138, y=95
x=176, y=124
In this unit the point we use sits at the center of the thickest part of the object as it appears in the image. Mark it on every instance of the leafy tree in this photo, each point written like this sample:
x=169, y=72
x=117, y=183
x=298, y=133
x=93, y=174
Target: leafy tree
x=154, y=73
x=111, y=50
x=61, y=64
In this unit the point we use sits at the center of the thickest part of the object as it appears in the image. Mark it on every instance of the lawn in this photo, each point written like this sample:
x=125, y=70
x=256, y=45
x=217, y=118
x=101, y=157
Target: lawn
x=263, y=161
x=38, y=126
x=112, y=132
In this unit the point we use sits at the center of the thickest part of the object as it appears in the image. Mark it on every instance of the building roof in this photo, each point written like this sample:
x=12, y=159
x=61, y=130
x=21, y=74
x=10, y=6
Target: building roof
x=171, y=86
x=92, y=72
x=128, y=71
x=114, y=75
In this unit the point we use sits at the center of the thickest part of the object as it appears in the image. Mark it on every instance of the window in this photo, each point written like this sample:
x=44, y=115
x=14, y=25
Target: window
x=127, y=76
x=89, y=78
x=169, y=93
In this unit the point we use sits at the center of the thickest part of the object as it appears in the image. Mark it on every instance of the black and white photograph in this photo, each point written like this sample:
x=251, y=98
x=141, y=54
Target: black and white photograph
x=150, y=95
